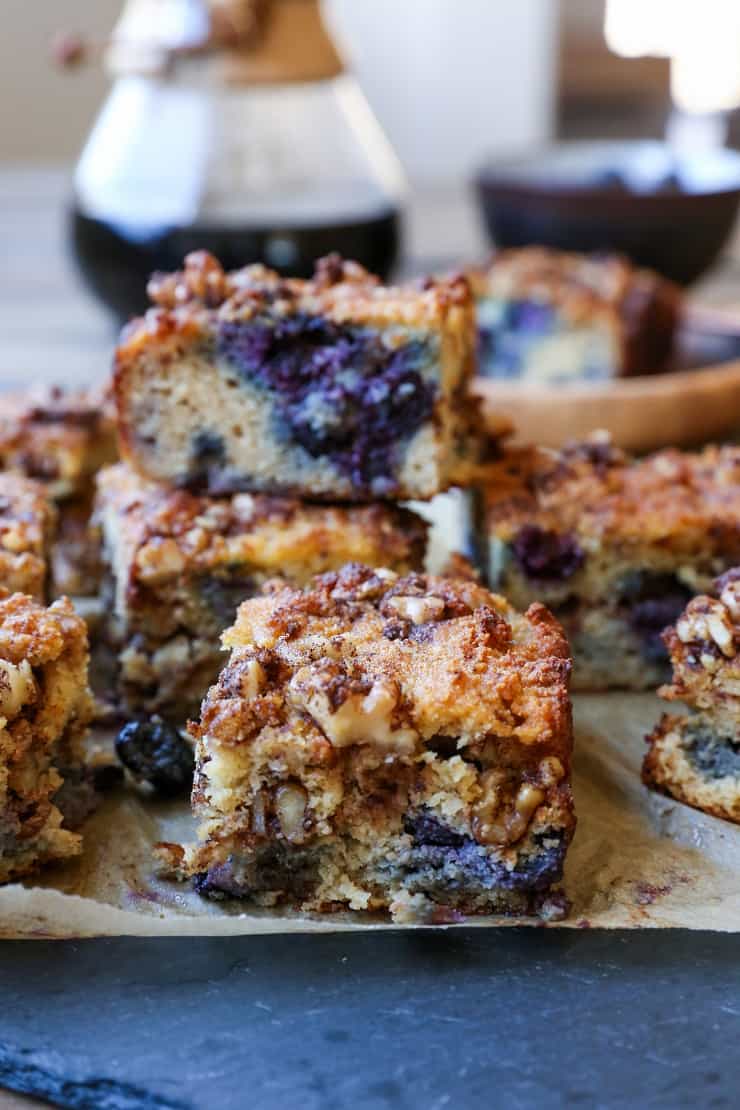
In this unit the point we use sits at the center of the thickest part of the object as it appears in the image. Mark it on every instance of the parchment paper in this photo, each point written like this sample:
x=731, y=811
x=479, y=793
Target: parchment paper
x=638, y=860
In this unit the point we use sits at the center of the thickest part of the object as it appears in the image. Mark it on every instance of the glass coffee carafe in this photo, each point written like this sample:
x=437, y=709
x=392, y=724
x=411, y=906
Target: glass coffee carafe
x=235, y=128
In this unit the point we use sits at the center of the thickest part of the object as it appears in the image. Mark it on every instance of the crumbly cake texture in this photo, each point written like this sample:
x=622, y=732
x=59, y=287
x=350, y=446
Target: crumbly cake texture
x=333, y=389
x=45, y=706
x=62, y=438
x=552, y=316
x=27, y=523
x=613, y=546
x=386, y=743
x=696, y=758
x=180, y=564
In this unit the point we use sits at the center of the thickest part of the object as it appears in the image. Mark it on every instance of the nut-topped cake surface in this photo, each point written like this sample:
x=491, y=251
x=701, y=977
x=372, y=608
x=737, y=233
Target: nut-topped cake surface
x=615, y=546
x=27, y=523
x=386, y=742
x=696, y=758
x=338, y=388
x=44, y=710
x=180, y=564
x=61, y=438
x=553, y=316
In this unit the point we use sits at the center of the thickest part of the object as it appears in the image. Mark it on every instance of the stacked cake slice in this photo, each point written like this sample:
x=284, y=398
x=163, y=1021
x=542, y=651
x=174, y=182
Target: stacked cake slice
x=377, y=739
x=267, y=425
x=696, y=758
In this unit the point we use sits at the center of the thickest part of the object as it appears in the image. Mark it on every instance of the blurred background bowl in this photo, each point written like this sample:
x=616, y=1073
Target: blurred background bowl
x=634, y=197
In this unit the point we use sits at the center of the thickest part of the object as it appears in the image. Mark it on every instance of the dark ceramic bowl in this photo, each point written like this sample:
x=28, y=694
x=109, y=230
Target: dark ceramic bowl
x=665, y=210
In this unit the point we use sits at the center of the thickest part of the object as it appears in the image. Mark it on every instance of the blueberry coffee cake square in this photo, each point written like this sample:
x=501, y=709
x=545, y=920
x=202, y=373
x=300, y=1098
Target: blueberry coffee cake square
x=27, y=523
x=44, y=710
x=550, y=316
x=696, y=758
x=338, y=388
x=179, y=564
x=386, y=743
x=615, y=547
x=62, y=438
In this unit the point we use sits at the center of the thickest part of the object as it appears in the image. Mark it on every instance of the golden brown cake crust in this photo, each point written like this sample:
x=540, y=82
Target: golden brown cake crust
x=462, y=657
x=58, y=436
x=704, y=647
x=686, y=503
x=27, y=522
x=45, y=706
x=340, y=291
x=170, y=532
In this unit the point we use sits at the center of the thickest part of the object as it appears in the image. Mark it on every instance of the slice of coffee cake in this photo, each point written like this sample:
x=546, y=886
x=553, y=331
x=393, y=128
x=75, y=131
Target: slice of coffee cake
x=44, y=710
x=696, y=758
x=27, y=524
x=179, y=565
x=61, y=438
x=386, y=743
x=613, y=546
x=338, y=388
x=550, y=316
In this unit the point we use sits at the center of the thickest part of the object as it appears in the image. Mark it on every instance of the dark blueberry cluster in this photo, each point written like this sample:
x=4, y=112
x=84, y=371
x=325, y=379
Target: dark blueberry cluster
x=340, y=392
x=546, y=555
x=654, y=601
x=502, y=349
x=155, y=752
x=437, y=846
x=714, y=756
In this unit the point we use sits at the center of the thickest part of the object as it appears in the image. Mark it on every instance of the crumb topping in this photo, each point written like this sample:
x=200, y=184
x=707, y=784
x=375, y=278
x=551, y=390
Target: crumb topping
x=189, y=300
x=474, y=668
x=687, y=502
x=169, y=532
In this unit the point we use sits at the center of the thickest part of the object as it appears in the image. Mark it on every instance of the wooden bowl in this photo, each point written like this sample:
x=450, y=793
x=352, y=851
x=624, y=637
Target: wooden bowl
x=681, y=408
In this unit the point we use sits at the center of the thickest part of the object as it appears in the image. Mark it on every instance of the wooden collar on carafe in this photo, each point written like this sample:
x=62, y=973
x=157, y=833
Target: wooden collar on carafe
x=251, y=42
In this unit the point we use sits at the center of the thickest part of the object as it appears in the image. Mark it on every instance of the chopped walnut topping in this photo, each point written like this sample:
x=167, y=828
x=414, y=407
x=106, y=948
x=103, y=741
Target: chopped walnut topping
x=17, y=687
x=730, y=598
x=707, y=620
x=418, y=610
x=360, y=718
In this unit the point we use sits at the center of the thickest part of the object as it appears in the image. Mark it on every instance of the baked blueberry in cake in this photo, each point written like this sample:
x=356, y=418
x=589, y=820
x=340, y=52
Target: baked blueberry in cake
x=61, y=438
x=385, y=742
x=27, y=525
x=551, y=316
x=696, y=758
x=45, y=705
x=178, y=565
x=338, y=388
x=614, y=546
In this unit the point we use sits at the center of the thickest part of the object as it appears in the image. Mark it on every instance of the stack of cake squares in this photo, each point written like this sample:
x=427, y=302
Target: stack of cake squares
x=378, y=738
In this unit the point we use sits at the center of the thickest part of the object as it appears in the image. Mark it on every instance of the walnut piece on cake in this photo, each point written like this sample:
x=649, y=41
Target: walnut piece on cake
x=45, y=706
x=552, y=316
x=615, y=547
x=696, y=758
x=335, y=389
x=386, y=743
x=178, y=565
x=27, y=524
x=61, y=438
